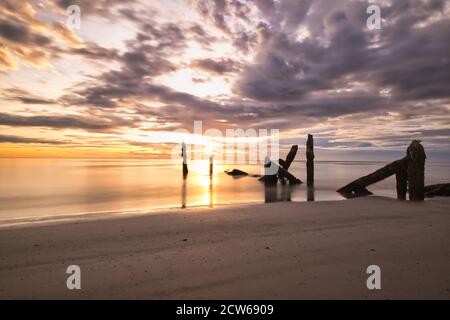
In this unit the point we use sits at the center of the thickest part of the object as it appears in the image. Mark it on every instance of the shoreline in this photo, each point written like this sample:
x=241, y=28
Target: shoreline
x=283, y=250
x=105, y=215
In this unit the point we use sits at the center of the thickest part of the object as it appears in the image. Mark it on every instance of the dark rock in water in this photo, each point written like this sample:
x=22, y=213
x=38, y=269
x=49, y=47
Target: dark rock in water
x=434, y=190
x=236, y=172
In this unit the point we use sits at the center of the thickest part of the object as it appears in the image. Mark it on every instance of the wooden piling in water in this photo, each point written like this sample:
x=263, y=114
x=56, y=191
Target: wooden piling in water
x=184, y=155
x=310, y=160
x=416, y=171
x=211, y=166
x=409, y=172
x=401, y=177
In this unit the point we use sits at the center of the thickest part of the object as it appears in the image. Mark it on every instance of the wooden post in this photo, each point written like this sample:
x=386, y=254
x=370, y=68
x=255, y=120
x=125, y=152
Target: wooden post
x=289, y=158
x=184, y=155
x=416, y=171
x=210, y=166
x=401, y=182
x=310, y=160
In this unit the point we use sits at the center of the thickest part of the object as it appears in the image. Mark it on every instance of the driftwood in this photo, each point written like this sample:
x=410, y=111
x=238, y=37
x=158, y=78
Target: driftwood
x=310, y=160
x=434, y=190
x=357, y=188
x=281, y=173
x=289, y=158
x=281, y=169
x=409, y=172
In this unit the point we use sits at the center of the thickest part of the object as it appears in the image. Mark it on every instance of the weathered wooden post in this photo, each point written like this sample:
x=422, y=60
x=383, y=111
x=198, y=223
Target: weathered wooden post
x=310, y=160
x=184, y=155
x=416, y=171
x=210, y=166
x=401, y=177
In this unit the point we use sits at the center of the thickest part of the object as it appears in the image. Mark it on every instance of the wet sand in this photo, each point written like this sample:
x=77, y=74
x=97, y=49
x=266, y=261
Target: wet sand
x=264, y=251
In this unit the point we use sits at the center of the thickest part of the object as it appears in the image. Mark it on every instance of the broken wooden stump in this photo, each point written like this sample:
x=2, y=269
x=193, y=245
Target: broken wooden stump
x=435, y=190
x=357, y=188
x=289, y=158
x=409, y=172
x=416, y=171
x=280, y=172
x=285, y=164
x=401, y=179
x=310, y=160
x=289, y=176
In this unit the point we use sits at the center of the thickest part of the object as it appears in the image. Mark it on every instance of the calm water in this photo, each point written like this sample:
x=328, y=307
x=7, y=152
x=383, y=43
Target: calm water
x=32, y=188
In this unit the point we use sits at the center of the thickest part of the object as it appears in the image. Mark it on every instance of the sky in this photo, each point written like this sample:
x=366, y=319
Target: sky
x=136, y=71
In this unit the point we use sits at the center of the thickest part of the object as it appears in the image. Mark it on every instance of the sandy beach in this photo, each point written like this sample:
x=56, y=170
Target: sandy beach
x=264, y=251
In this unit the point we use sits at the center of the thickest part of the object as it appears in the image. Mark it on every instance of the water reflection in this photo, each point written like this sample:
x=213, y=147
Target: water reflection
x=211, y=192
x=278, y=192
x=34, y=188
x=183, y=191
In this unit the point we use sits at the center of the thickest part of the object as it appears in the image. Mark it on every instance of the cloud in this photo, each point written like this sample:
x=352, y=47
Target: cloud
x=25, y=38
x=18, y=94
x=60, y=122
x=296, y=65
x=17, y=139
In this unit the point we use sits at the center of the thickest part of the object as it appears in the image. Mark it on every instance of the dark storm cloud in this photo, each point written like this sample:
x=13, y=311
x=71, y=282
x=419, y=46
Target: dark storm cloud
x=414, y=64
x=416, y=67
x=313, y=61
x=14, y=31
x=17, y=139
x=59, y=122
x=286, y=69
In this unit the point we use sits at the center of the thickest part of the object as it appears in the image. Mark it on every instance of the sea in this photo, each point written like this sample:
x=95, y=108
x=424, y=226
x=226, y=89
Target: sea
x=44, y=188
